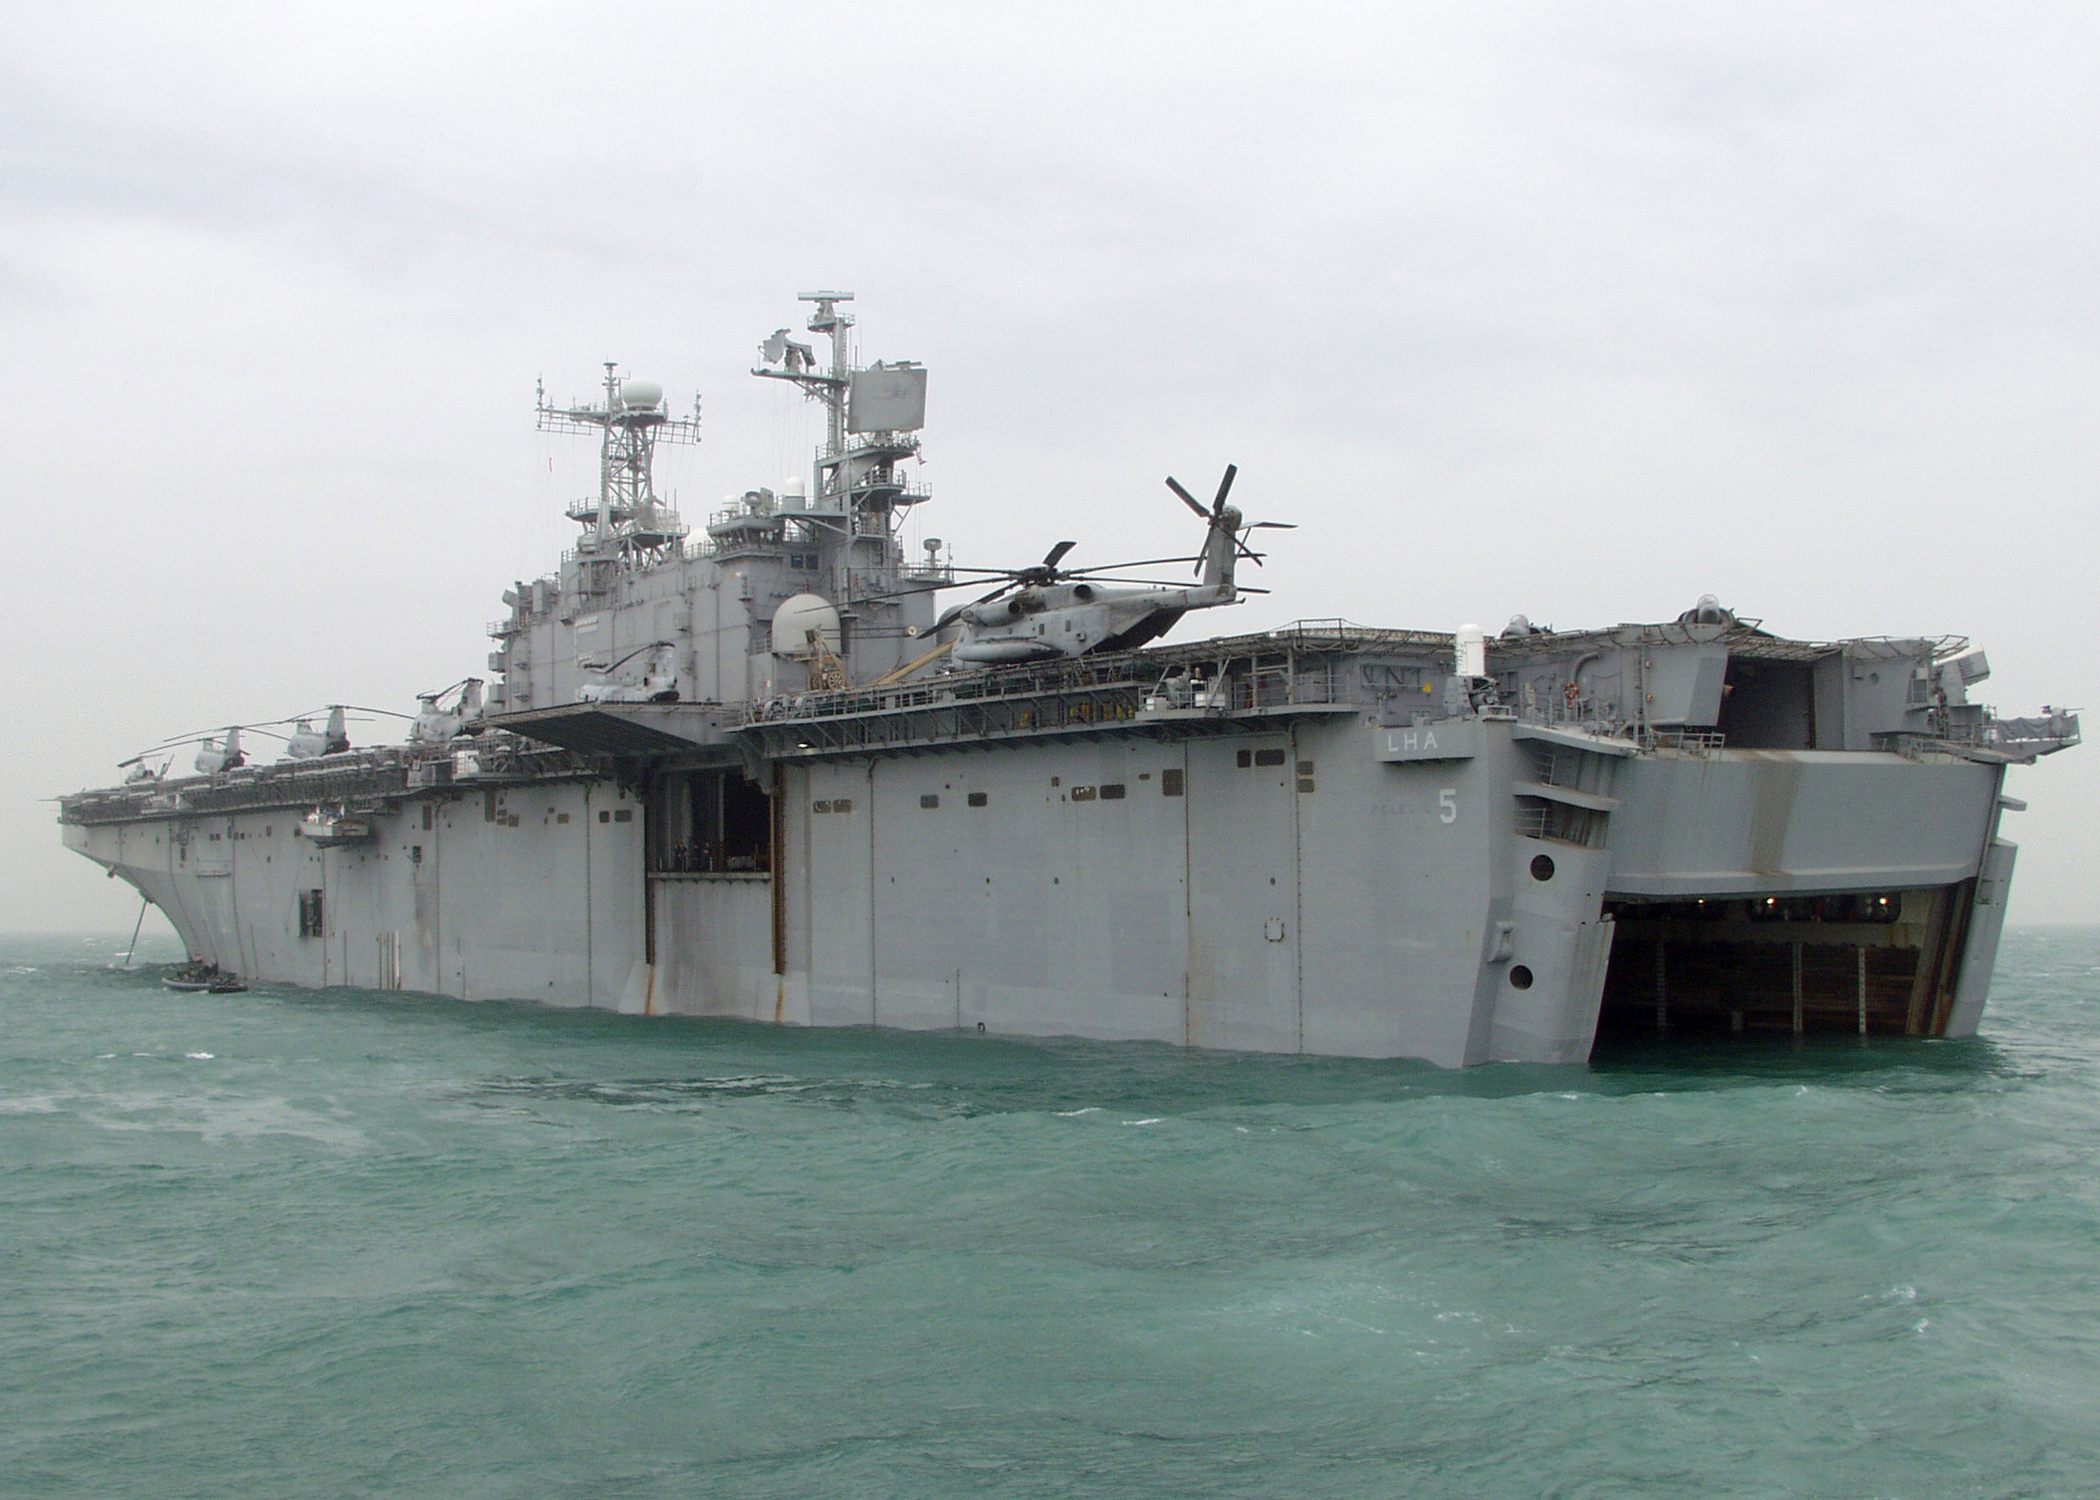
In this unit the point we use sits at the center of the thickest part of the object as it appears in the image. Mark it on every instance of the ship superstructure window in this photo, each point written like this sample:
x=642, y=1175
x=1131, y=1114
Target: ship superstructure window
x=714, y=822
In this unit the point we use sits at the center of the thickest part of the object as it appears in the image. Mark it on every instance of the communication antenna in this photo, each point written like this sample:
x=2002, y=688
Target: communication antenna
x=798, y=363
x=872, y=419
x=627, y=521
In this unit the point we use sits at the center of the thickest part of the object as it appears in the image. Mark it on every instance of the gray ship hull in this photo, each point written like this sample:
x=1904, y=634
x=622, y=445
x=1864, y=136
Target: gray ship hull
x=1300, y=878
x=1326, y=838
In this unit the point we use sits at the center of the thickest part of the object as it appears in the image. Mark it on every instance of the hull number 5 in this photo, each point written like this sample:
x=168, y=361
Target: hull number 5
x=1447, y=805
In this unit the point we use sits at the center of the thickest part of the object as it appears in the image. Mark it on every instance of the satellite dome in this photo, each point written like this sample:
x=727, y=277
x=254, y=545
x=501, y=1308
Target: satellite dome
x=800, y=615
x=1708, y=611
x=641, y=395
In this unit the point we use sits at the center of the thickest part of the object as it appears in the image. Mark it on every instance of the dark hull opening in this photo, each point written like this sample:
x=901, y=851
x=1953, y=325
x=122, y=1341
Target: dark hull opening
x=1876, y=963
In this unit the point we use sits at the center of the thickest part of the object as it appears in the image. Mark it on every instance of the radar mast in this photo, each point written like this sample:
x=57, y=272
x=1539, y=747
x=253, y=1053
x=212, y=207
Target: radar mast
x=626, y=522
x=872, y=421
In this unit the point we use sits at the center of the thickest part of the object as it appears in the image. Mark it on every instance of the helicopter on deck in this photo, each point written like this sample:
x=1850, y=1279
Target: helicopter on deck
x=307, y=743
x=446, y=714
x=1045, y=611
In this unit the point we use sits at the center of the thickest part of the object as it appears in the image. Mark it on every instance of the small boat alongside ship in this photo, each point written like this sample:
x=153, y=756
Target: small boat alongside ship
x=333, y=830
x=200, y=978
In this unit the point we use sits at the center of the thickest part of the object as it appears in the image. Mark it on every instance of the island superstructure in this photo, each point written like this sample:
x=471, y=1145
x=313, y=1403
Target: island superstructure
x=758, y=773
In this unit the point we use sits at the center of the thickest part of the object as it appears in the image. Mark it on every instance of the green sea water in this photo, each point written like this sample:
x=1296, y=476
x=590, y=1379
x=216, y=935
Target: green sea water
x=338, y=1243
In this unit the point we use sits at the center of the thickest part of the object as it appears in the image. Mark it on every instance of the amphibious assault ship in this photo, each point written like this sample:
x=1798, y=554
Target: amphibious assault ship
x=755, y=773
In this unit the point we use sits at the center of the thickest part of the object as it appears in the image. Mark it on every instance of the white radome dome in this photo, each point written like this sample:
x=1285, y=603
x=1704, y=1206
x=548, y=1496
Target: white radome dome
x=797, y=617
x=641, y=395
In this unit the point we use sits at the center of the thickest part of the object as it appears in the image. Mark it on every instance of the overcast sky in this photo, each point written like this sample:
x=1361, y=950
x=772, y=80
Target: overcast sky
x=1581, y=310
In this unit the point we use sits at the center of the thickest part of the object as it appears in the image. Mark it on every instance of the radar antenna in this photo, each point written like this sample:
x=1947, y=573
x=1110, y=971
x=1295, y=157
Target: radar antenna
x=872, y=418
x=626, y=522
x=798, y=364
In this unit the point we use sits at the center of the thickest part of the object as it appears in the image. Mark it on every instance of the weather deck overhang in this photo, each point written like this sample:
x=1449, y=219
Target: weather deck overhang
x=626, y=729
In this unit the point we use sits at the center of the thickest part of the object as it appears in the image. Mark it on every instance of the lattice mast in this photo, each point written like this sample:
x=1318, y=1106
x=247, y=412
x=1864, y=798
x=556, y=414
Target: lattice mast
x=872, y=417
x=627, y=521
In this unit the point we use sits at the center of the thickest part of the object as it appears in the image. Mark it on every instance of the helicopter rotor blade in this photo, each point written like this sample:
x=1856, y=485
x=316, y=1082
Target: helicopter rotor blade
x=196, y=736
x=1232, y=472
x=1011, y=576
x=924, y=588
x=1141, y=562
x=1056, y=554
x=949, y=615
x=1162, y=583
x=1186, y=498
x=1270, y=526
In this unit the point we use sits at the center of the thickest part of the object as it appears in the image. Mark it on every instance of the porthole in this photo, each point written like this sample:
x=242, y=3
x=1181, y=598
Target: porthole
x=1541, y=867
x=1519, y=977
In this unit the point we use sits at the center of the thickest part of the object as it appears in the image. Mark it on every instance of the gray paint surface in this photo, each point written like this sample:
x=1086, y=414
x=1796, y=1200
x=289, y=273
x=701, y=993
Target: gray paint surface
x=1321, y=838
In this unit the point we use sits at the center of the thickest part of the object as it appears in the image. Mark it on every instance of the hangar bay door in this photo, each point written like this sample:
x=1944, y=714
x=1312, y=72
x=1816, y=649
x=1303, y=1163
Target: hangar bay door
x=1243, y=893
